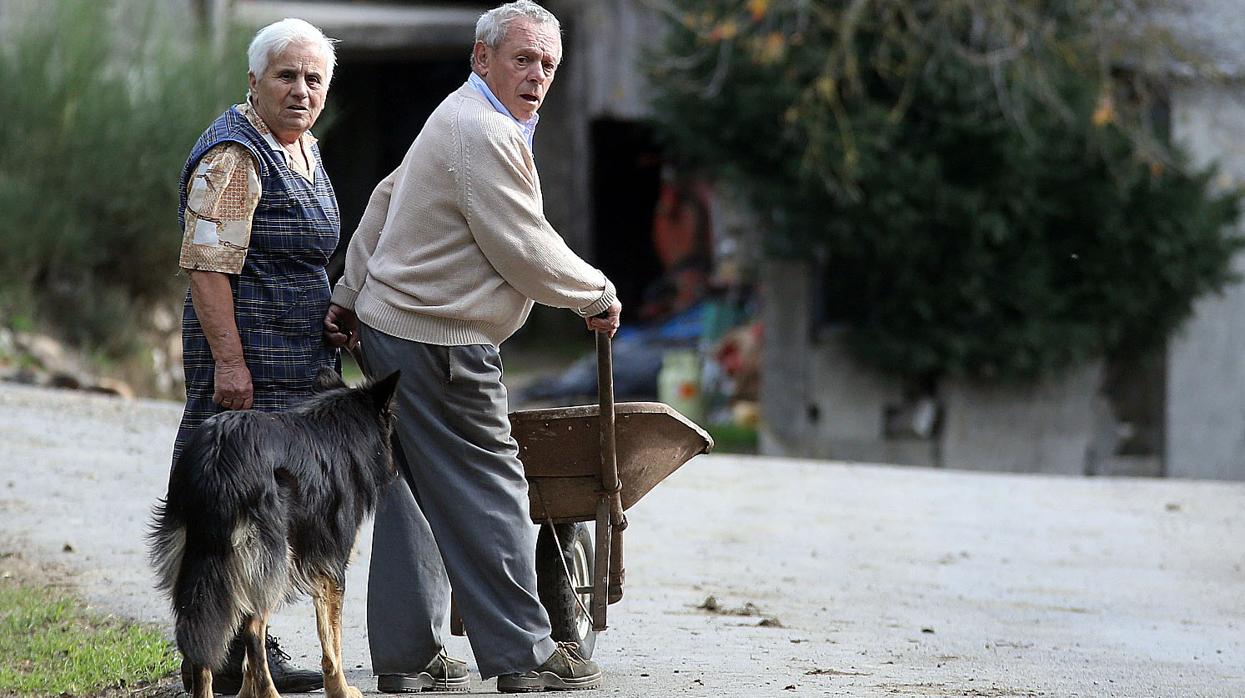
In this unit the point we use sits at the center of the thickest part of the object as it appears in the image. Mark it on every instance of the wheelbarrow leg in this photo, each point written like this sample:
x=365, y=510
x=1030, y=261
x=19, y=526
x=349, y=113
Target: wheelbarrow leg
x=617, y=573
x=601, y=570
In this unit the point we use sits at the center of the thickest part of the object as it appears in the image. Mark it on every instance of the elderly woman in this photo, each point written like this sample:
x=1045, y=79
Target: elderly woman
x=259, y=220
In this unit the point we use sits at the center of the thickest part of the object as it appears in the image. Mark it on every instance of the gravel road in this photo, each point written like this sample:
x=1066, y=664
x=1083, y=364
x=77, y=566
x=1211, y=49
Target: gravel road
x=829, y=578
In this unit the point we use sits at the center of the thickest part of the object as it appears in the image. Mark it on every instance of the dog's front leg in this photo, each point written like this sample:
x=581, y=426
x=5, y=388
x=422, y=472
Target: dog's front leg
x=328, y=602
x=201, y=682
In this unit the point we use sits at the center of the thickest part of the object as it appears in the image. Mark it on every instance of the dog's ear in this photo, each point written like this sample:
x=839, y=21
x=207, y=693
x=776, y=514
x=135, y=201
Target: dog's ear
x=327, y=379
x=383, y=389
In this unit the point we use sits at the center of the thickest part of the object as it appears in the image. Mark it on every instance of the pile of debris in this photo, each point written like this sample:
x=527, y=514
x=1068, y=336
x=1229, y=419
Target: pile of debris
x=39, y=360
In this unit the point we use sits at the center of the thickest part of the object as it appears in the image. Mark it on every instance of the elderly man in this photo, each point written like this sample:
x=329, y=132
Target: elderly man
x=449, y=256
x=259, y=220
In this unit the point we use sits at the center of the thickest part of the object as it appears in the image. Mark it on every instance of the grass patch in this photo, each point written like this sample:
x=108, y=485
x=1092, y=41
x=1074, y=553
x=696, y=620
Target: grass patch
x=51, y=644
x=732, y=438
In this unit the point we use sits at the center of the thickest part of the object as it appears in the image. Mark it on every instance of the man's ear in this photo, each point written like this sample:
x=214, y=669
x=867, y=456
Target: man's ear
x=480, y=53
x=251, y=81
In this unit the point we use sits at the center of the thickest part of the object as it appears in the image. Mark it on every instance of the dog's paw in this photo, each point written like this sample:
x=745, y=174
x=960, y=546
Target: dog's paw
x=346, y=692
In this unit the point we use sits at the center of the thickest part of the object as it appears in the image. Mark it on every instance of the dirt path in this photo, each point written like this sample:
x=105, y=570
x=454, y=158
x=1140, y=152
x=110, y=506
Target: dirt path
x=828, y=579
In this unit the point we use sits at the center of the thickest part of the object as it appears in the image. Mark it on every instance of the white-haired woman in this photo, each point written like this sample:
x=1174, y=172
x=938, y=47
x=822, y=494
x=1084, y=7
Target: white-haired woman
x=259, y=221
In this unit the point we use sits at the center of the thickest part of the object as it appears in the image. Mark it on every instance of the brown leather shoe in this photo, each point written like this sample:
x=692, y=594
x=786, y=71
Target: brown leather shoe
x=443, y=673
x=564, y=670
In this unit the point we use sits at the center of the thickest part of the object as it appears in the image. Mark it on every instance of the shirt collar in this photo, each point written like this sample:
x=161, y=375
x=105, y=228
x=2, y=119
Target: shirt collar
x=247, y=110
x=526, y=128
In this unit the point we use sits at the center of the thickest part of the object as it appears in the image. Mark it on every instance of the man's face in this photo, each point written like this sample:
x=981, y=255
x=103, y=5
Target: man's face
x=520, y=70
x=290, y=94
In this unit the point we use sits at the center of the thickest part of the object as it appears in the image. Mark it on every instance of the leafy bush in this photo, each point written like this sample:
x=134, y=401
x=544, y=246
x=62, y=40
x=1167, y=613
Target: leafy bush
x=986, y=197
x=100, y=101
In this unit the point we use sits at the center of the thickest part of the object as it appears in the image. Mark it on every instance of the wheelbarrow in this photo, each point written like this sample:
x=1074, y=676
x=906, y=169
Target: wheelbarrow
x=591, y=463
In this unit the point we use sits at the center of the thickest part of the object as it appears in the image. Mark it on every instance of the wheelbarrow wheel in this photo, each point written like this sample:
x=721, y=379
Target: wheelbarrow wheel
x=570, y=622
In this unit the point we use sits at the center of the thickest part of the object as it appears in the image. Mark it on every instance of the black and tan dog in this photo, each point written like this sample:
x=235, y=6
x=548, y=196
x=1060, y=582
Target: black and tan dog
x=263, y=507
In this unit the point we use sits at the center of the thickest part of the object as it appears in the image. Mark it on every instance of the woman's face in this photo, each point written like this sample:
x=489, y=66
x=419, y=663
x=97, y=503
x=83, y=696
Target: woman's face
x=290, y=94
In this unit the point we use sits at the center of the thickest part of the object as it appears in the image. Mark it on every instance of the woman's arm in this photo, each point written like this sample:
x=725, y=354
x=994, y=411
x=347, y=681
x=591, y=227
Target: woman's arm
x=220, y=205
x=213, y=301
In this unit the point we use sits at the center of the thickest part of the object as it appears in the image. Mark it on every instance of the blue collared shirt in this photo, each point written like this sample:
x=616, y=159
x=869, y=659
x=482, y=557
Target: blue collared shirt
x=527, y=128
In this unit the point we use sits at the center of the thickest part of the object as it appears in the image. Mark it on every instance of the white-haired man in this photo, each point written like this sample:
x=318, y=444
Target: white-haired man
x=259, y=222
x=451, y=252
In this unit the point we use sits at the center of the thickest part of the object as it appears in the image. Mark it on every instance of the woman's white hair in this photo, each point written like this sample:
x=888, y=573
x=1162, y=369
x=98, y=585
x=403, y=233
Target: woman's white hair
x=492, y=26
x=278, y=36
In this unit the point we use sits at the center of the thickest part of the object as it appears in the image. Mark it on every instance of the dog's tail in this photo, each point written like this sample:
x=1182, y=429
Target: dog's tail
x=196, y=579
x=212, y=560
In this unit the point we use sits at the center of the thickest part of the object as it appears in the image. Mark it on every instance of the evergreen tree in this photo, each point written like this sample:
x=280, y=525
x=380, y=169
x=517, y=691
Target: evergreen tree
x=987, y=192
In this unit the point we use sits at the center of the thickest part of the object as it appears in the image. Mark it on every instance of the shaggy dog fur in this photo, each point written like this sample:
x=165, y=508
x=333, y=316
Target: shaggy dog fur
x=263, y=507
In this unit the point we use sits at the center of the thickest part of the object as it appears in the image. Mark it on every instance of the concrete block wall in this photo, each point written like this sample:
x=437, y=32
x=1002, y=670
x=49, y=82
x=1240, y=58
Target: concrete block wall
x=817, y=401
x=1045, y=428
x=1206, y=360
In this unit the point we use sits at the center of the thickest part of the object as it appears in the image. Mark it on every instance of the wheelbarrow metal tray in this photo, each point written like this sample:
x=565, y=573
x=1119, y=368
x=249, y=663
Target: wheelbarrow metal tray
x=561, y=452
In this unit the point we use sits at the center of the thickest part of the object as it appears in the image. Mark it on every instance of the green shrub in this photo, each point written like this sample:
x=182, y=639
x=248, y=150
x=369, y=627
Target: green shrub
x=100, y=102
x=985, y=198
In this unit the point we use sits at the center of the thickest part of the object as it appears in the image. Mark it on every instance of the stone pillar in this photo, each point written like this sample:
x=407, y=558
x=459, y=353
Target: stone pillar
x=1206, y=359
x=817, y=400
x=785, y=372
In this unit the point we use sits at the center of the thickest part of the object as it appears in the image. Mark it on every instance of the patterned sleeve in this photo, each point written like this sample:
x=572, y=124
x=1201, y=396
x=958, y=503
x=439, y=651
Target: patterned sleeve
x=220, y=201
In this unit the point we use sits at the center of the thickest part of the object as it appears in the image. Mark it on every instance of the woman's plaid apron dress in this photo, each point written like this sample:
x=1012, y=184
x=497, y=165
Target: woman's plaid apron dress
x=282, y=294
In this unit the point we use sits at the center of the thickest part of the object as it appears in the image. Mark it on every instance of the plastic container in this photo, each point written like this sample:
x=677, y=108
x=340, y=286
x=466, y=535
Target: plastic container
x=678, y=383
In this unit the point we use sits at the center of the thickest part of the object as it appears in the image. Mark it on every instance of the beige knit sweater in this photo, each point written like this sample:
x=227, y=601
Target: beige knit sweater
x=454, y=246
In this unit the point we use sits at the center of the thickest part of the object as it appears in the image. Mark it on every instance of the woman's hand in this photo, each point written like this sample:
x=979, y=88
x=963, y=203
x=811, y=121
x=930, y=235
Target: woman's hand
x=233, y=385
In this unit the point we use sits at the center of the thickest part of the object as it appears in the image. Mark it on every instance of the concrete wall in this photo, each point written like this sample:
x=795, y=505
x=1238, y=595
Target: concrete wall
x=819, y=401
x=1206, y=361
x=610, y=38
x=1045, y=428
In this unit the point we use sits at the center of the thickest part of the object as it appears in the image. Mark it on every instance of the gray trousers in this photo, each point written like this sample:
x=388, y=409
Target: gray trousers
x=459, y=516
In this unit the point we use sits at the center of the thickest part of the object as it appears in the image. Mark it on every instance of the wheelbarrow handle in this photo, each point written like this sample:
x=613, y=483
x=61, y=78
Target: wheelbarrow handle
x=609, y=447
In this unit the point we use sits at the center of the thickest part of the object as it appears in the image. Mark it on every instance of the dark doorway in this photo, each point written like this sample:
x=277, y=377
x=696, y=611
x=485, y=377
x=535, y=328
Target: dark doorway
x=377, y=109
x=626, y=178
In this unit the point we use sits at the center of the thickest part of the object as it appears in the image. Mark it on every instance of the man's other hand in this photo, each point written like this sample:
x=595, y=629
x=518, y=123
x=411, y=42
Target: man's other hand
x=341, y=327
